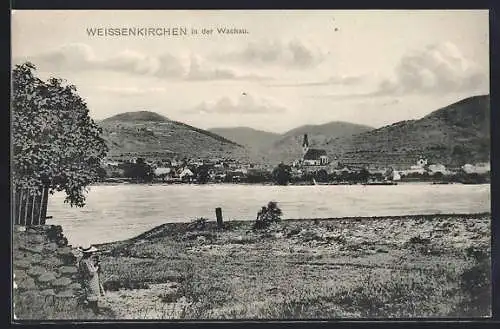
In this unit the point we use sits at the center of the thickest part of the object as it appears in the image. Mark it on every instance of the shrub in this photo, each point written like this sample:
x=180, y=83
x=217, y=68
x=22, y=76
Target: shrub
x=198, y=224
x=268, y=215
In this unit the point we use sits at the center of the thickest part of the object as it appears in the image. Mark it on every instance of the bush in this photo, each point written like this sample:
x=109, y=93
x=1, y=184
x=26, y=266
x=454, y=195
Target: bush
x=198, y=224
x=268, y=215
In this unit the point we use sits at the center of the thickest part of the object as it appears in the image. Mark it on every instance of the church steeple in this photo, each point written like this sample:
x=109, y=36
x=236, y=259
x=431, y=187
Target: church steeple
x=305, y=144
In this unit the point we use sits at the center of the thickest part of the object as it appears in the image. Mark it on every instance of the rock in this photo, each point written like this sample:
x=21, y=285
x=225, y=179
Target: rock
x=36, y=238
x=62, y=242
x=36, y=271
x=26, y=284
x=50, y=246
x=47, y=292
x=68, y=270
x=65, y=294
x=47, y=277
x=75, y=286
x=20, y=228
x=64, y=251
x=22, y=264
x=51, y=262
x=34, y=258
x=61, y=282
x=19, y=275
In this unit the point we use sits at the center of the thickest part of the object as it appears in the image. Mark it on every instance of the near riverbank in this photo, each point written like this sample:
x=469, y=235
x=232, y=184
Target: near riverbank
x=408, y=266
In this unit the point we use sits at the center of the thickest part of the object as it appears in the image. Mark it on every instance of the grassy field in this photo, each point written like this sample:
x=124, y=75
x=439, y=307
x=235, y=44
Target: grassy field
x=413, y=266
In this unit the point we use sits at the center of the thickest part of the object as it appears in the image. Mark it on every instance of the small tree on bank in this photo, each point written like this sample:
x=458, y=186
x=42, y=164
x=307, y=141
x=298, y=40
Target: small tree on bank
x=282, y=174
x=268, y=215
x=55, y=142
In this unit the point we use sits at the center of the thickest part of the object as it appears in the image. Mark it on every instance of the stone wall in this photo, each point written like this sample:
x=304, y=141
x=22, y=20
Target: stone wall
x=44, y=269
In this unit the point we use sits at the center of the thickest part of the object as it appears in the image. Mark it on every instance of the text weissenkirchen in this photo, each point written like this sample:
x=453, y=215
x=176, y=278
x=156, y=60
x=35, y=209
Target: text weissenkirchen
x=156, y=31
x=136, y=31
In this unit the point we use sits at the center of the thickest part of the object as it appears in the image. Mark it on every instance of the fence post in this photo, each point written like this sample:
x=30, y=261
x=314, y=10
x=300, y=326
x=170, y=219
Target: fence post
x=18, y=220
x=32, y=220
x=13, y=205
x=26, y=207
x=45, y=199
x=218, y=214
x=40, y=206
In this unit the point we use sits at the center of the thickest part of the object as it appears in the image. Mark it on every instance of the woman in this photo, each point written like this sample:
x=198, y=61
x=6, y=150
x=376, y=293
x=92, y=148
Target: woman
x=89, y=270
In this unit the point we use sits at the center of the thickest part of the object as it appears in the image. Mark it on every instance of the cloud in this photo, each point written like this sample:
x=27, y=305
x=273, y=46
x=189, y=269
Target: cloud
x=201, y=70
x=131, y=91
x=293, y=54
x=334, y=80
x=245, y=104
x=436, y=69
x=81, y=57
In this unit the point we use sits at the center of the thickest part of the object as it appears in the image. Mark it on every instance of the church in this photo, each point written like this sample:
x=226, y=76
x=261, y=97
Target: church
x=313, y=157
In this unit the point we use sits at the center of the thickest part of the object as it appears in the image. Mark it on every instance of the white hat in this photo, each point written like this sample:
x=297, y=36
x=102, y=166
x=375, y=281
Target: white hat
x=89, y=249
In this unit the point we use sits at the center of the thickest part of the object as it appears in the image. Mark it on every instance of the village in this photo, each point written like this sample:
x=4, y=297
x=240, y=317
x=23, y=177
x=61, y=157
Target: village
x=315, y=167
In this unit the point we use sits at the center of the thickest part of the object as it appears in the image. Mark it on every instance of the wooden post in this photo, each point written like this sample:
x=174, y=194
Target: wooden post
x=45, y=199
x=40, y=206
x=26, y=208
x=13, y=206
x=20, y=206
x=218, y=214
x=33, y=210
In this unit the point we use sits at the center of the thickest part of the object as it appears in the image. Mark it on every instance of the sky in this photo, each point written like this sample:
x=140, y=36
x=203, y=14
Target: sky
x=289, y=69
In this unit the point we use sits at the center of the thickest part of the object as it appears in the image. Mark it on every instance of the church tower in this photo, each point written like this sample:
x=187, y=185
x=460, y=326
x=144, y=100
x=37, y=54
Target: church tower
x=305, y=144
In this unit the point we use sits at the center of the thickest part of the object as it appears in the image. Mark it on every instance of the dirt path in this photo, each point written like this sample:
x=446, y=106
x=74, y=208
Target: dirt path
x=153, y=303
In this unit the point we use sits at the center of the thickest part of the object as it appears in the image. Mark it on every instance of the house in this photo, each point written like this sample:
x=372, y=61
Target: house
x=421, y=163
x=480, y=168
x=186, y=173
x=437, y=168
x=162, y=171
x=313, y=157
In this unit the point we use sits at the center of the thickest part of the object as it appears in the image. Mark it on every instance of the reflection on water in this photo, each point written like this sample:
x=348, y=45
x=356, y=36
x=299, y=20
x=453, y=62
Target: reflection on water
x=116, y=212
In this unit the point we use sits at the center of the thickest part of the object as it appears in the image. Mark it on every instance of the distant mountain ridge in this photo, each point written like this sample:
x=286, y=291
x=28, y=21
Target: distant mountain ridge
x=253, y=139
x=455, y=134
x=274, y=148
x=137, y=116
x=153, y=136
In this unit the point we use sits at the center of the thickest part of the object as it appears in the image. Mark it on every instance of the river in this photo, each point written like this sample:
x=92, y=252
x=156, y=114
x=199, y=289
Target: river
x=116, y=212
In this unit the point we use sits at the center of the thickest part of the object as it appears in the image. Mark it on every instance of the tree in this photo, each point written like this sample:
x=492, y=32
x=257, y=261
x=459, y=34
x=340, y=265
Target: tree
x=140, y=171
x=282, y=174
x=363, y=175
x=55, y=142
x=203, y=176
x=321, y=175
x=268, y=215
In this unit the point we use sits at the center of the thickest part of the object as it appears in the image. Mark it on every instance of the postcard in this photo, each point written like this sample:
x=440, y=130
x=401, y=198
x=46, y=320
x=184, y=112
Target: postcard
x=250, y=164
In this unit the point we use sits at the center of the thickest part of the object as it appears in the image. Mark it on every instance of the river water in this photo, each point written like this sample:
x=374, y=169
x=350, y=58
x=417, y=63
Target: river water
x=116, y=212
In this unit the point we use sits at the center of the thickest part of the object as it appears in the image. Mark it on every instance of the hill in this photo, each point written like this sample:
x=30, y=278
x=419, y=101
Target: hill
x=252, y=139
x=153, y=136
x=289, y=147
x=141, y=116
x=456, y=134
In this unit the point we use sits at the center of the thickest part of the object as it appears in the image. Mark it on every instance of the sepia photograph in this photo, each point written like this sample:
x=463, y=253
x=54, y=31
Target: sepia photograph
x=250, y=165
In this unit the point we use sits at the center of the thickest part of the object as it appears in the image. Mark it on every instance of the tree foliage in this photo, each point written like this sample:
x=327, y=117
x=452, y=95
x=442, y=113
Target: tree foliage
x=268, y=215
x=202, y=175
x=140, y=170
x=55, y=142
x=282, y=174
